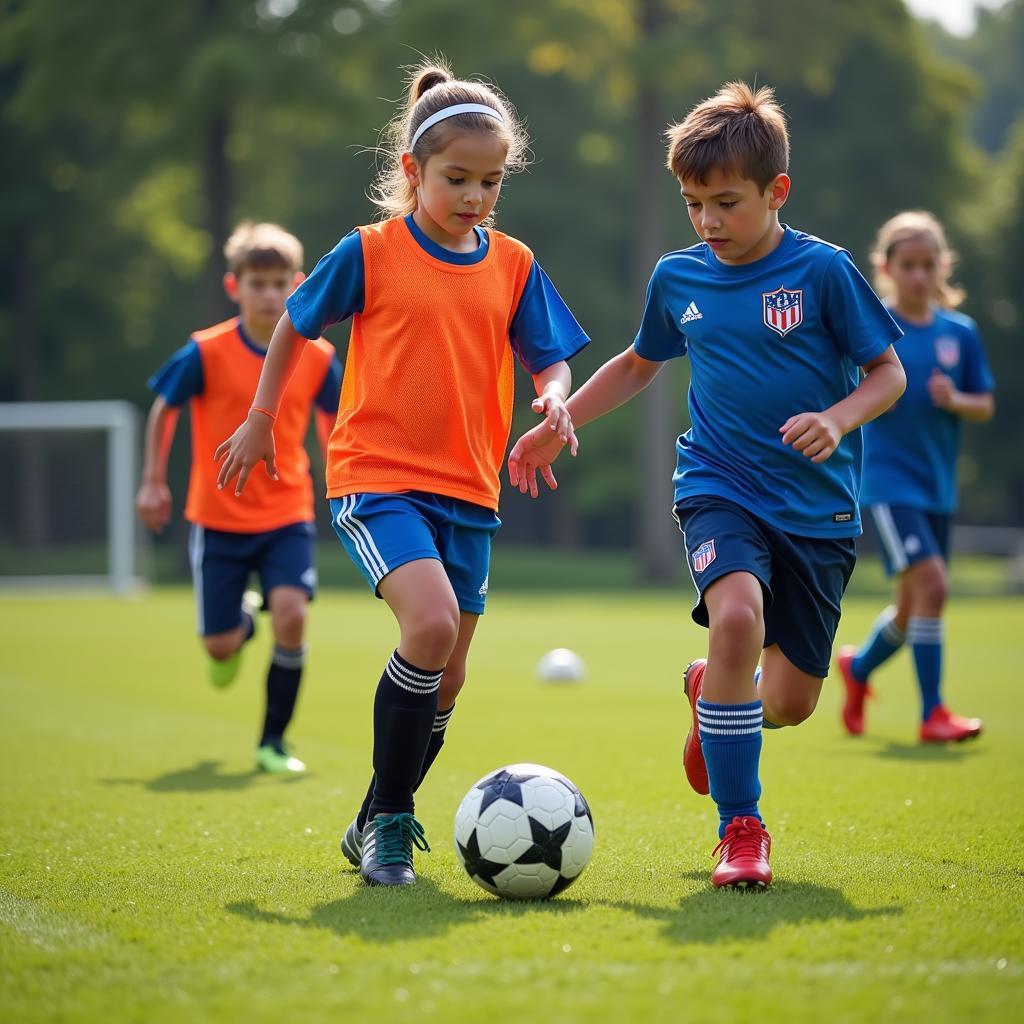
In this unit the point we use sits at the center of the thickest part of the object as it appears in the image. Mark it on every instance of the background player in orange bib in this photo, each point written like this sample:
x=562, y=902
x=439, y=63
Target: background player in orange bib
x=269, y=531
x=442, y=304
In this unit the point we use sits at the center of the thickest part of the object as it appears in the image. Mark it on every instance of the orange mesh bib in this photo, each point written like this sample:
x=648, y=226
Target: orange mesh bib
x=231, y=371
x=426, y=402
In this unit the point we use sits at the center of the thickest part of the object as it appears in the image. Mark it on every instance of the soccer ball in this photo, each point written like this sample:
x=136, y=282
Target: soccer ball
x=524, y=832
x=561, y=666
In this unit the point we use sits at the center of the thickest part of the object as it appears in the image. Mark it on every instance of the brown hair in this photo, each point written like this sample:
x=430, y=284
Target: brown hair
x=262, y=247
x=736, y=130
x=431, y=88
x=916, y=225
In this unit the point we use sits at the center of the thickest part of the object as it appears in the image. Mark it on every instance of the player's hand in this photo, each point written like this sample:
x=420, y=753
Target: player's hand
x=250, y=444
x=536, y=449
x=942, y=391
x=153, y=503
x=815, y=434
x=556, y=418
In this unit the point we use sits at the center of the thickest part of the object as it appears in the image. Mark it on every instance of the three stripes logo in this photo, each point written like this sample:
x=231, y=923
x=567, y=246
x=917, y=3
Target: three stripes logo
x=692, y=313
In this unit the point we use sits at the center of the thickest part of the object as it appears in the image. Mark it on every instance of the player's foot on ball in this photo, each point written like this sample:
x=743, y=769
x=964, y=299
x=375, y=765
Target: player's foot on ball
x=856, y=692
x=387, y=849
x=352, y=844
x=944, y=726
x=693, y=756
x=275, y=760
x=743, y=855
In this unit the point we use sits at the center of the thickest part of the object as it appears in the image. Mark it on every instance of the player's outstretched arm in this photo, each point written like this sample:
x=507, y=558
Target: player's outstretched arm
x=614, y=384
x=817, y=434
x=553, y=385
x=253, y=441
x=153, y=502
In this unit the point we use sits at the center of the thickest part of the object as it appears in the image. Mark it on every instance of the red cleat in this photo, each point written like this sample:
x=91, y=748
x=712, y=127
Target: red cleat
x=943, y=726
x=743, y=855
x=856, y=692
x=693, y=756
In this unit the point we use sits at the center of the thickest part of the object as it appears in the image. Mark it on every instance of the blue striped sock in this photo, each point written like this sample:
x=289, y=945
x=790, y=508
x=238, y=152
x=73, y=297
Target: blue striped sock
x=925, y=639
x=885, y=639
x=730, y=736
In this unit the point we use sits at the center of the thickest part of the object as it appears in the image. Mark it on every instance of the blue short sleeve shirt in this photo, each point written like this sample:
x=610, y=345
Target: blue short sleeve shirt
x=785, y=334
x=910, y=452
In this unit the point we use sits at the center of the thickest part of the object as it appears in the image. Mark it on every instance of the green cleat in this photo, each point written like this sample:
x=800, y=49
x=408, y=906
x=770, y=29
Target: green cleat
x=275, y=760
x=222, y=673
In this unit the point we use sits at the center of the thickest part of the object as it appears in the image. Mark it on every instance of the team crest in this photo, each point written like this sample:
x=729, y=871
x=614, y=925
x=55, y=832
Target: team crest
x=783, y=309
x=947, y=351
x=703, y=556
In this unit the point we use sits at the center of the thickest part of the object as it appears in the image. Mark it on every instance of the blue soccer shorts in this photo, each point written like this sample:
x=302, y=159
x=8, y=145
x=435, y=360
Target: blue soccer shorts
x=803, y=578
x=222, y=562
x=908, y=535
x=380, y=532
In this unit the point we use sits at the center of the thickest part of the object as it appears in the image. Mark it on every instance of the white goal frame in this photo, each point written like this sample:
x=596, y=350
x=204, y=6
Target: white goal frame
x=121, y=421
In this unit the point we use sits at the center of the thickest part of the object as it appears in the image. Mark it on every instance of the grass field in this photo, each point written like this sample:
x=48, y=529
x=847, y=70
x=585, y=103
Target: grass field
x=147, y=874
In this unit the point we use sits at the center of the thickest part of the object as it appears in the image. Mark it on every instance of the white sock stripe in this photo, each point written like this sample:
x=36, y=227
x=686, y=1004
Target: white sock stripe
x=738, y=723
x=890, y=536
x=414, y=678
x=196, y=548
x=289, y=658
x=411, y=689
x=726, y=712
x=376, y=568
x=924, y=631
x=443, y=716
x=416, y=673
x=891, y=632
x=730, y=732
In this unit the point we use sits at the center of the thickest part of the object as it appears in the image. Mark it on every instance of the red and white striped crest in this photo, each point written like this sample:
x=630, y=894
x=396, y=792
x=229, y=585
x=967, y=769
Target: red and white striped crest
x=783, y=309
x=703, y=556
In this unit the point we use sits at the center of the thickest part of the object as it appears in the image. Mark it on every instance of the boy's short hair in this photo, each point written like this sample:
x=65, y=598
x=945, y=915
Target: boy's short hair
x=736, y=130
x=262, y=247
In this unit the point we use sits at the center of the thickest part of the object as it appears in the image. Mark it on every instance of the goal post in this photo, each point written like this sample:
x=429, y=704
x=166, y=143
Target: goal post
x=120, y=422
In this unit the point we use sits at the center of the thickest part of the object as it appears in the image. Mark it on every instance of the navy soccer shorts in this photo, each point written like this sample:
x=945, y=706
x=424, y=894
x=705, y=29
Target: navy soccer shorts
x=908, y=535
x=222, y=562
x=803, y=578
x=380, y=532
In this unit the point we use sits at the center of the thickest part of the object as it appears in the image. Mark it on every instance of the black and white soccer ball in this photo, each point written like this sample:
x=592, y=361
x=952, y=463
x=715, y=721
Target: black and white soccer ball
x=524, y=832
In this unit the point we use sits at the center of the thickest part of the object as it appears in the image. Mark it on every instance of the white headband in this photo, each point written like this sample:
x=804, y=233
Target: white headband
x=446, y=112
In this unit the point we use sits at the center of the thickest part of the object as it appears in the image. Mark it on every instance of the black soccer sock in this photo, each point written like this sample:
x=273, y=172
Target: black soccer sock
x=403, y=718
x=433, y=749
x=283, y=680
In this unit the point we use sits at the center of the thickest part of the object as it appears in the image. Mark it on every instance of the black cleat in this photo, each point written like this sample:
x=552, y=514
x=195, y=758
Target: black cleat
x=387, y=849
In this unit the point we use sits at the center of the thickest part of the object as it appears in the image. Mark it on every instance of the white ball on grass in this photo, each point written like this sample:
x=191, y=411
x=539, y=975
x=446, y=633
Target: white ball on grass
x=561, y=666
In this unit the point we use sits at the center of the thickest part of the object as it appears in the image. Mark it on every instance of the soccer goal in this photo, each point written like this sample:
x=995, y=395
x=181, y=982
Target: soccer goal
x=67, y=515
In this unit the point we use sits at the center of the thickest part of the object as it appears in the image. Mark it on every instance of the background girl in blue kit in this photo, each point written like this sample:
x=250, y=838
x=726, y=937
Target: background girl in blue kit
x=910, y=457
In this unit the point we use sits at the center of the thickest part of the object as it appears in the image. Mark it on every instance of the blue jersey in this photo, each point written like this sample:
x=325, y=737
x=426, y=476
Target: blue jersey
x=766, y=340
x=910, y=452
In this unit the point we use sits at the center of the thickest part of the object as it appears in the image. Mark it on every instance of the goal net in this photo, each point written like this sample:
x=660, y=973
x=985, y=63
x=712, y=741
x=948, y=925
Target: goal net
x=67, y=512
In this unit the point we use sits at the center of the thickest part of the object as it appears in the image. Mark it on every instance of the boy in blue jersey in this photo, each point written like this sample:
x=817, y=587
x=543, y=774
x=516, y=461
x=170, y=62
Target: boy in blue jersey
x=910, y=457
x=776, y=324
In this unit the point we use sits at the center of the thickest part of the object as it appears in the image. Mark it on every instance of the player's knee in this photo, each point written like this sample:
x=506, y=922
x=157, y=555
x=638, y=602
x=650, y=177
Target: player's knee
x=791, y=708
x=432, y=635
x=221, y=646
x=290, y=621
x=738, y=625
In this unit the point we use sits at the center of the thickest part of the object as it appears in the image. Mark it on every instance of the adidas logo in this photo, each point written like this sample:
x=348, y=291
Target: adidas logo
x=692, y=313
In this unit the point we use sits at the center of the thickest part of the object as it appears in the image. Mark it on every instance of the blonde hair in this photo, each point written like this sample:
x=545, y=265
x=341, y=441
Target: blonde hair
x=916, y=225
x=432, y=87
x=263, y=246
x=736, y=130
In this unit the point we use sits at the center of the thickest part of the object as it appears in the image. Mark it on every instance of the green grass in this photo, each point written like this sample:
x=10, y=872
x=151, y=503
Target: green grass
x=147, y=874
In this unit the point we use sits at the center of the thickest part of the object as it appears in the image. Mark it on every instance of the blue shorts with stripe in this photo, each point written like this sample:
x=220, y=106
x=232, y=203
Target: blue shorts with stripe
x=803, y=578
x=908, y=535
x=380, y=532
x=222, y=562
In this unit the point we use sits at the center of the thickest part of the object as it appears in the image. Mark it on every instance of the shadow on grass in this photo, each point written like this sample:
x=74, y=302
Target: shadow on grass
x=928, y=752
x=720, y=915
x=396, y=915
x=202, y=777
